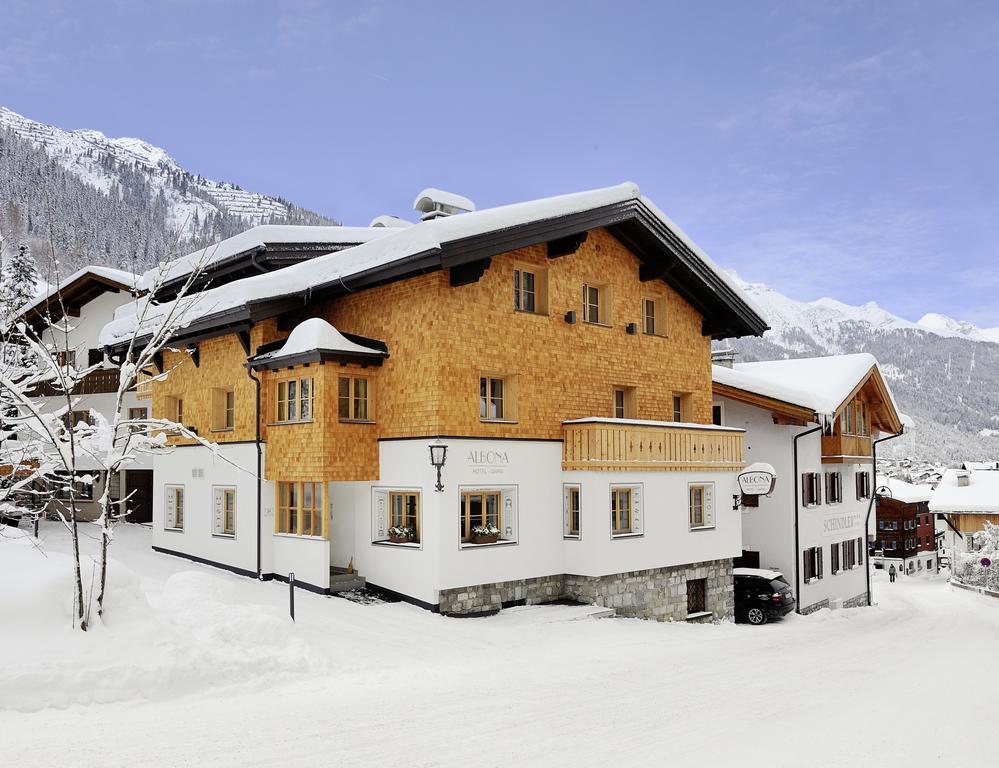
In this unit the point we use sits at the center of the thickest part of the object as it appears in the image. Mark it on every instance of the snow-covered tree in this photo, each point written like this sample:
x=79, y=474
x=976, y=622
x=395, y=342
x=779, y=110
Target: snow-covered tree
x=46, y=446
x=968, y=567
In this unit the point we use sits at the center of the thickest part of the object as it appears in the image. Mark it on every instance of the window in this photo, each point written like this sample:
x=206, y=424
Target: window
x=174, y=409
x=812, y=563
x=479, y=509
x=530, y=289
x=863, y=480
x=717, y=414
x=696, y=596
x=353, y=395
x=624, y=403
x=223, y=409
x=71, y=419
x=855, y=419
x=834, y=487
x=94, y=357
x=570, y=511
x=173, y=508
x=701, y=506
x=497, y=401
x=66, y=358
x=653, y=316
x=404, y=515
x=294, y=400
x=137, y=414
x=680, y=407
x=849, y=558
x=881, y=525
x=811, y=492
x=596, y=304
x=300, y=509
x=224, y=511
x=621, y=517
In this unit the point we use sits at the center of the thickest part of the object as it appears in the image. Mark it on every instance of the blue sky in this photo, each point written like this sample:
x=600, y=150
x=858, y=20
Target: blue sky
x=832, y=148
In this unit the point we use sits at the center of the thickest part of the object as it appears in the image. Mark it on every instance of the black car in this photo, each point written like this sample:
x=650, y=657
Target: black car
x=761, y=595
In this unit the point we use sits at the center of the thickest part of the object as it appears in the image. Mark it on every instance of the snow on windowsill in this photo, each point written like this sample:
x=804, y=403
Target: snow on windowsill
x=626, y=535
x=571, y=536
x=500, y=543
x=224, y=536
x=173, y=530
x=399, y=544
x=702, y=527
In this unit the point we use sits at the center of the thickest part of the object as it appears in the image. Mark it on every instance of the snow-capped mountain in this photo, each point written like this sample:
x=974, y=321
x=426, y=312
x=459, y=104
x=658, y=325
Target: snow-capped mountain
x=944, y=378
x=948, y=326
x=122, y=202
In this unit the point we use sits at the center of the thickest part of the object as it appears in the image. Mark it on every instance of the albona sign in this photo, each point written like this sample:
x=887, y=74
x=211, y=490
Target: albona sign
x=757, y=479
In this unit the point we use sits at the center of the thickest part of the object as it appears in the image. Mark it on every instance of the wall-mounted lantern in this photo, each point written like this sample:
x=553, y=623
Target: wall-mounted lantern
x=438, y=455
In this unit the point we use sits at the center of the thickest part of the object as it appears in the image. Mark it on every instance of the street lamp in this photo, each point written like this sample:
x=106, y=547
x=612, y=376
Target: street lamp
x=438, y=455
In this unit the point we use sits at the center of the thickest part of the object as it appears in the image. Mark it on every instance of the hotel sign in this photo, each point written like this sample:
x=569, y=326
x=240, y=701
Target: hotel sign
x=487, y=461
x=832, y=526
x=757, y=479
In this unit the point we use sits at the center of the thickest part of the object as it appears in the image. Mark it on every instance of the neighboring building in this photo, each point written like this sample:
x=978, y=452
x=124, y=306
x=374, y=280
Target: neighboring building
x=966, y=498
x=560, y=348
x=89, y=298
x=813, y=420
x=904, y=531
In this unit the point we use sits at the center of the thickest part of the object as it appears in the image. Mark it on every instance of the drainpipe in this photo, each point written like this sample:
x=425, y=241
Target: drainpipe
x=870, y=504
x=249, y=372
x=797, y=548
x=253, y=261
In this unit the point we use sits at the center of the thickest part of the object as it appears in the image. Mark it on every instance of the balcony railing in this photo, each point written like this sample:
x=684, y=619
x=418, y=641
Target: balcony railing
x=96, y=382
x=622, y=444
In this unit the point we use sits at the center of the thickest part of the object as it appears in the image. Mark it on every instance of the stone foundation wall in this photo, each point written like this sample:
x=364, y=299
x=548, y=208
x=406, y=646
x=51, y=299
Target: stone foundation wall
x=815, y=607
x=856, y=602
x=659, y=593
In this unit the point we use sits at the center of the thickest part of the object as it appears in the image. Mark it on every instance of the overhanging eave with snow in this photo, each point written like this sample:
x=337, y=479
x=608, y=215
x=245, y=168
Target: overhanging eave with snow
x=316, y=341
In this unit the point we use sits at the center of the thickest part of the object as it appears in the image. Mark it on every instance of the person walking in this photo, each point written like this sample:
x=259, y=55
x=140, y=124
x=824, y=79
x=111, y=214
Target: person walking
x=891, y=573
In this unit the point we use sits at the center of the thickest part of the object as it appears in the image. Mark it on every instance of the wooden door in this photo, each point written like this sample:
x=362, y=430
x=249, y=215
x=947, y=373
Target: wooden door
x=139, y=492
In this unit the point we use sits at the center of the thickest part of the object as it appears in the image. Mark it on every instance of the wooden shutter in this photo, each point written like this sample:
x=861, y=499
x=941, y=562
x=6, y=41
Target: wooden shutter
x=637, y=510
x=567, y=509
x=835, y=566
x=218, y=510
x=860, y=550
x=170, y=507
x=806, y=489
x=818, y=563
x=508, y=514
x=709, y=505
x=379, y=515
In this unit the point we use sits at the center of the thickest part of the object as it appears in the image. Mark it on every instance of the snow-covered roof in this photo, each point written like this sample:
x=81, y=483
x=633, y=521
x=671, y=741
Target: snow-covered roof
x=119, y=276
x=647, y=423
x=821, y=384
x=385, y=220
x=395, y=245
x=317, y=335
x=907, y=493
x=985, y=465
x=765, y=573
x=258, y=237
x=981, y=494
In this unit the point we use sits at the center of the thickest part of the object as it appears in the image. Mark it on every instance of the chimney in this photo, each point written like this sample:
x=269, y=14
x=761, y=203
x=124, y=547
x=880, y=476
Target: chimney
x=435, y=203
x=963, y=479
x=723, y=357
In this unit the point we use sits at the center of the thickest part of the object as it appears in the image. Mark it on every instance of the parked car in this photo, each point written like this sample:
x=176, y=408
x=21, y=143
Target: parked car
x=761, y=595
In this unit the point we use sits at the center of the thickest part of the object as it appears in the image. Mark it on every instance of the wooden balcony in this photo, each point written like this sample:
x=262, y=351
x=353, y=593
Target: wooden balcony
x=845, y=448
x=97, y=382
x=621, y=445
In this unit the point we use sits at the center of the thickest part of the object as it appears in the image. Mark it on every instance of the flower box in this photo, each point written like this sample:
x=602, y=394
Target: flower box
x=399, y=539
x=486, y=538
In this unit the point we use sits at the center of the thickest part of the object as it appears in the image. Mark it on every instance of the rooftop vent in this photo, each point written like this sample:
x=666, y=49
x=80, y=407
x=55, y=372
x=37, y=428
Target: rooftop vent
x=723, y=357
x=434, y=203
x=389, y=221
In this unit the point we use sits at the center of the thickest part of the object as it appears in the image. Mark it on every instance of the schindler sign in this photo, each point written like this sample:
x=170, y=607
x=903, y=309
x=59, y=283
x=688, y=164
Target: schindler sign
x=757, y=479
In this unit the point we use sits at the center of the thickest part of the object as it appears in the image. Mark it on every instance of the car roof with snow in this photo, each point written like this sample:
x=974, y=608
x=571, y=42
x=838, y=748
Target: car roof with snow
x=763, y=573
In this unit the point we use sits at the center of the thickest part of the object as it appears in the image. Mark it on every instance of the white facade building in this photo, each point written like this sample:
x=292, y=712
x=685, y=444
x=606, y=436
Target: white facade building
x=812, y=420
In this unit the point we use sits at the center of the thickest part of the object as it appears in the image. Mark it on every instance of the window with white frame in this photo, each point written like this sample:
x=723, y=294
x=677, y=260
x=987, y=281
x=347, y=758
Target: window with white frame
x=487, y=516
x=224, y=510
x=701, y=505
x=570, y=511
x=626, y=517
x=173, y=508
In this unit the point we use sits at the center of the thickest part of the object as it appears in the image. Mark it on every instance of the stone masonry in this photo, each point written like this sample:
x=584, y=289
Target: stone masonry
x=658, y=593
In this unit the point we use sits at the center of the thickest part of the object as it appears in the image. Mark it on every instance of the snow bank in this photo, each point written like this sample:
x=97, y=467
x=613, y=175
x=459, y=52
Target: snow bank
x=198, y=632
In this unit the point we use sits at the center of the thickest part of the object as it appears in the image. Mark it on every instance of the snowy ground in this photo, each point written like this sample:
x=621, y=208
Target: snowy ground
x=197, y=667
